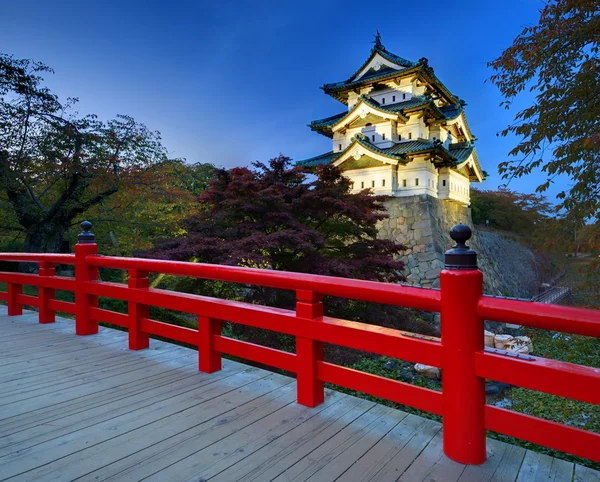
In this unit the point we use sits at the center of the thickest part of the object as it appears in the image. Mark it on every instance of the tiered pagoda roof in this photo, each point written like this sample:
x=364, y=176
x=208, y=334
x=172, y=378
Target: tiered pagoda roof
x=455, y=155
x=435, y=104
x=417, y=103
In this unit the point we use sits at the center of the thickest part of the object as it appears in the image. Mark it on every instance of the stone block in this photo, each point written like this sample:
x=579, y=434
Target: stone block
x=419, y=248
x=401, y=220
x=427, y=371
x=432, y=274
x=426, y=256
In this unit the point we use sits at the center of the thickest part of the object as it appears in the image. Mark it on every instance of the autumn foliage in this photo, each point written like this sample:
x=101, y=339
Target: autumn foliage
x=274, y=216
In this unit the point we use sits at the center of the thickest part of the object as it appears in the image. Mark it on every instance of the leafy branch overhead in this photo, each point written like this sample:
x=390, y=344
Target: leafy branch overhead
x=558, y=61
x=56, y=164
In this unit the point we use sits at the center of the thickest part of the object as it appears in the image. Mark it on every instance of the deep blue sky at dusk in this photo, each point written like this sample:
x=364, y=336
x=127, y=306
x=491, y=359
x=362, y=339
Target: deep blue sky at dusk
x=232, y=82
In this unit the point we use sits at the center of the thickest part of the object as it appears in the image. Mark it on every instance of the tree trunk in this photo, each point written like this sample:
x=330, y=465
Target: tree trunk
x=45, y=237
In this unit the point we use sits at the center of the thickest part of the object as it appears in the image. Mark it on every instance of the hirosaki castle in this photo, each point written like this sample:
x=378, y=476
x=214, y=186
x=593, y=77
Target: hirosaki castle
x=403, y=132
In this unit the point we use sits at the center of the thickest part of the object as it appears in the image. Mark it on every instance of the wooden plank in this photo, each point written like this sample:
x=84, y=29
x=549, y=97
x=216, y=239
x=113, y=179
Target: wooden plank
x=362, y=444
x=585, y=474
x=539, y=467
x=73, y=453
x=502, y=464
x=74, y=390
x=432, y=465
x=139, y=449
x=274, y=458
x=46, y=415
x=80, y=419
x=80, y=361
x=387, y=459
x=205, y=463
x=508, y=469
x=360, y=428
x=122, y=366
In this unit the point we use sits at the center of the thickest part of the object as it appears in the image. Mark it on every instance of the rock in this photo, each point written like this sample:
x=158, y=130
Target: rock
x=391, y=365
x=527, y=341
x=492, y=389
x=502, y=341
x=427, y=371
x=520, y=344
x=488, y=338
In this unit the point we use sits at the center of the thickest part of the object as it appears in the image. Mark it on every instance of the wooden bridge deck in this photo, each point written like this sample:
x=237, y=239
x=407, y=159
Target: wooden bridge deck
x=87, y=408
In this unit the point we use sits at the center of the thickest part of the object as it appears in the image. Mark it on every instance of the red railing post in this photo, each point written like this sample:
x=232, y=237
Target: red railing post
x=138, y=339
x=463, y=392
x=46, y=315
x=86, y=245
x=311, y=390
x=209, y=359
x=14, y=307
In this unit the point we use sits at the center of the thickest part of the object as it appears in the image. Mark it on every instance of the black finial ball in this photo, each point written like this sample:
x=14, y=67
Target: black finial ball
x=461, y=256
x=86, y=226
x=461, y=233
x=86, y=237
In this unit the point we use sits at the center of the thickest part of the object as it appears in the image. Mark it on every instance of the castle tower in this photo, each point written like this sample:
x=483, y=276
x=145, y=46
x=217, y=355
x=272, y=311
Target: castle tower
x=405, y=135
x=403, y=132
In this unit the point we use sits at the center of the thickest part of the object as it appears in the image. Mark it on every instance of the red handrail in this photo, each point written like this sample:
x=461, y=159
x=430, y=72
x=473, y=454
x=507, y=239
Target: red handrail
x=460, y=351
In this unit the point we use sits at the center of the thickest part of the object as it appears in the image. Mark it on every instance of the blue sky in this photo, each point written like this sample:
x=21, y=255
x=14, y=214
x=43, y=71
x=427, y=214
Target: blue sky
x=232, y=82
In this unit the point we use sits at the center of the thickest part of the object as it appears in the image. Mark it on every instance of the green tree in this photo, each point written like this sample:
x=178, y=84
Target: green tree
x=558, y=61
x=509, y=210
x=55, y=164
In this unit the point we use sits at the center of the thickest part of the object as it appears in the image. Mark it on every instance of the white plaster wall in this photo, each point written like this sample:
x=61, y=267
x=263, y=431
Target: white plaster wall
x=380, y=130
x=415, y=126
x=391, y=96
x=373, y=178
x=420, y=169
x=456, y=188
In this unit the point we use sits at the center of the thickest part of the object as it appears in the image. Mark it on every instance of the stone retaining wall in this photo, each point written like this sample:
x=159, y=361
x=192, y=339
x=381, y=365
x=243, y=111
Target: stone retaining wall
x=422, y=223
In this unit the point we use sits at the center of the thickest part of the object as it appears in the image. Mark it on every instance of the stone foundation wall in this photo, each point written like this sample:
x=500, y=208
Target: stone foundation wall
x=422, y=223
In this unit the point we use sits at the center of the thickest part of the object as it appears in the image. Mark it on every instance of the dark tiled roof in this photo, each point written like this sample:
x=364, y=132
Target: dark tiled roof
x=457, y=153
x=451, y=111
x=319, y=160
x=328, y=121
x=410, y=147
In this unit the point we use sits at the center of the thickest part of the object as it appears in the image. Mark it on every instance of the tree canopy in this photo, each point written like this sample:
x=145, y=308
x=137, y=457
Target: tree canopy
x=558, y=61
x=273, y=216
x=56, y=164
x=509, y=210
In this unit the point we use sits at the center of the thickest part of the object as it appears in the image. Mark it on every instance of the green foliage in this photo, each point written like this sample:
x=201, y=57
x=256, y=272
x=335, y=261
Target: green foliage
x=558, y=61
x=509, y=210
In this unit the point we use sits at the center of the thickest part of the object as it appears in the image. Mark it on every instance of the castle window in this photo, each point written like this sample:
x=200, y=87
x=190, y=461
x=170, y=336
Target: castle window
x=383, y=136
x=403, y=182
x=383, y=100
x=417, y=181
x=399, y=137
x=444, y=183
x=373, y=137
x=362, y=185
x=403, y=96
x=393, y=98
x=339, y=147
x=410, y=135
x=383, y=183
x=372, y=183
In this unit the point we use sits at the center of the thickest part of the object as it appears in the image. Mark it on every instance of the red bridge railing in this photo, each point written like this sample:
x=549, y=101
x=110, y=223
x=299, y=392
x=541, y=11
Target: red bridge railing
x=460, y=352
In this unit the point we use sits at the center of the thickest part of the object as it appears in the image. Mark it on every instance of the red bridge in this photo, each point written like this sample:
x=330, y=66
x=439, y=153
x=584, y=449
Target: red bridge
x=62, y=402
